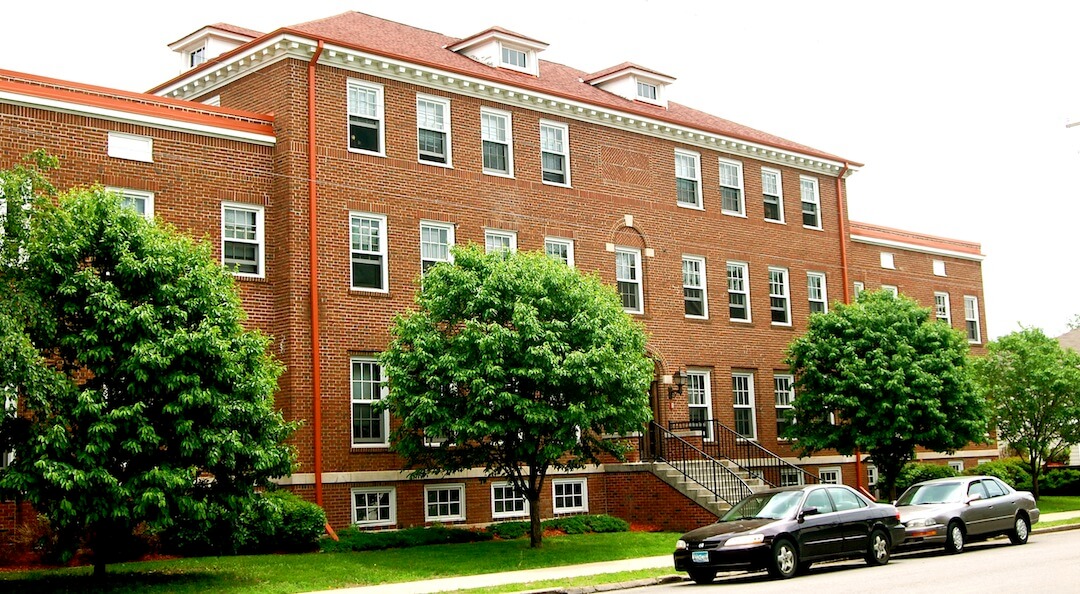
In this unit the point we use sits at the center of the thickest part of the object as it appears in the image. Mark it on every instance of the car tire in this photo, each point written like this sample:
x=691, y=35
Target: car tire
x=954, y=538
x=1021, y=530
x=784, y=562
x=702, y=576
x=877, y=553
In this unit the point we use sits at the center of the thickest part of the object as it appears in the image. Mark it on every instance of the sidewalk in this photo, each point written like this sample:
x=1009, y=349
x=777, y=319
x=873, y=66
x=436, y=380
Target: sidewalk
x=488, y=580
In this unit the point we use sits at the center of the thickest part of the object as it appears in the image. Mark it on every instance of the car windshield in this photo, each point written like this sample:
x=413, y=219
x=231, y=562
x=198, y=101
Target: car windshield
x=935, y=493
x=769, y=506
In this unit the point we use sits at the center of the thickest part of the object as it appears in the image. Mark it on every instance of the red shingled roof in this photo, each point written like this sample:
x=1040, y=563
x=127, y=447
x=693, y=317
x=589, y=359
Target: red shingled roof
x=624, y=66
x=919, y=239
x=228, y=29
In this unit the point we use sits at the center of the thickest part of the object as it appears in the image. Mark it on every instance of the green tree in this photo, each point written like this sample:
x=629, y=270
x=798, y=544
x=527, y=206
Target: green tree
x=142, y=396
x=879, y=376
x=1032, y=386
x=517, y=364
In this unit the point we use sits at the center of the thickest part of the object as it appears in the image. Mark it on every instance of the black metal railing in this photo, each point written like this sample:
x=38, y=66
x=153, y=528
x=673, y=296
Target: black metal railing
x=724, y=443
x=698, y=467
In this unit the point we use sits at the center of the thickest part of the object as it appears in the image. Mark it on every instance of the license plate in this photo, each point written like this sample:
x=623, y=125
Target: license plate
x=699, y=556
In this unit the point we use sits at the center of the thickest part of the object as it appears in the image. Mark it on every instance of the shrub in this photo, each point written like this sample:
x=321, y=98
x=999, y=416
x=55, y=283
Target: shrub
x=1060, y=481
x=299, y=524
x=914, y=472
x=606, y=523
x=1010, y=470
x=353, y=539
x=508, y=530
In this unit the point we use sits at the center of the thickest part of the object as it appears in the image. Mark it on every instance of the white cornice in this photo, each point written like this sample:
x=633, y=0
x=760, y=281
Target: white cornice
x=284, y=46
x=914, y=247
x=119, y=115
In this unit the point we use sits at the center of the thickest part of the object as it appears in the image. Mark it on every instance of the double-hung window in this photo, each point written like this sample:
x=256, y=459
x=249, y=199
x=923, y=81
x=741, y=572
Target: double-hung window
x=500, y=241
x=560, y=249
x=137, y=200
x=779, y=301
x=773, y=191
x=444, y=503
x=569, y=496
x=514, y=58
x=507, y=502
x=731, y=188
x=647, y=91
x=433, y=129
x=688, y=178
x=242, y=238
x=367, y=239
x=738, y=283
x=366, y=129
x=435, y=242
x=695, y=301
x=811, y=204
x=742, y=395
x=369, y=426
x=497, y=141
x=628, y=279
x=784, y=395
x=375, y=506
x=699, y=400
x=971, y=318
x=555, y=153
x=816, y=292
x=941, y=308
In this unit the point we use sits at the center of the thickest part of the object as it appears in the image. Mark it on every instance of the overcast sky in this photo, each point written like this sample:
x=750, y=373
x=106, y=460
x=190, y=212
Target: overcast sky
x=958, y=109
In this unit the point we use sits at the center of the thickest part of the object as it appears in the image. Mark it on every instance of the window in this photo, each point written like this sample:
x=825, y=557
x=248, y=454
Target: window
x=569, y=496
x=811, y=206
x=628, y=279
x=695, y=302
x=496, y=138
x=742, y=394
x=646, y=90
x=845, y=500
x=891, y=289
x=790, y=477
x=939, y=268
x=957, y=465
x=778, y=297
x=731, y=187
x=365, y=117
x=784, y=395
x=971, y=317
x=196, y=57
x=369, y=427
x=131, y=147
x=738, y=287
x=941, y=308
x=555, y=153
x=830, y=476
x=138, y=200
x=433, y=129
x=887, y=261
x=242, y=239
x=993, y=487
x=687, y=178
x=435, y=242
x=560, y=249
x=514, y=58
x=871, y=475
x=816, y=292
x=444, y=503
x=819, y=500
x=11, y=406
x=699, y=399
x=507, y=502
x=773, y=192
x=859, y=287
x=367, y=238
x=502, y=241
x=374, y=506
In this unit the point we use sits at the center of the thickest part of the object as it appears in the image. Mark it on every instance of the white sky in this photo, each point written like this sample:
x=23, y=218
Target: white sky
x=958, y=109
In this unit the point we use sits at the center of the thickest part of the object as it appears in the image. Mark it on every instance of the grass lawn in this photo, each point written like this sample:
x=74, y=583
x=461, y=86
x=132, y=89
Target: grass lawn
x=1058, y=503
x=321, y=571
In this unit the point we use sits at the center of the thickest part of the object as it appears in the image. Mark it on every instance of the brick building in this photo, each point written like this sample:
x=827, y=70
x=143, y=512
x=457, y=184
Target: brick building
x=369, y=147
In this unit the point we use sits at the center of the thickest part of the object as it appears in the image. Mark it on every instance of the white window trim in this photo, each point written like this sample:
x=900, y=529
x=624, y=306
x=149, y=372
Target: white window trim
x=504, y=514
x=146, y=197
x=742, y=189
x=510, y=235
x=565, y=152
x=948, y=307
x=815, y=199
x=872, y=475
x=584, y=508
x=751, y=406
x=449, y=164
x=799, y=477
x=444, y=487
x=639, y=282
x=837, y=470
x=383, y=251
x=380, y=115
x=779, y=191
x=131, y=147
x=782, y=408
x=957, y=465
x=509, y=141
x=888, y=261
x=659, y=100
x=568, y=243
x=824, y=300
x=858, y=287
x=967, y=318
x=385, y=390
x=939, y=268
x=704, y=289
x=260, y=235
x=392, y=521
x=746, y=282
x=891, y=289
x=530, y=58
x=708, y=406
x=696, y=158
x=449, y=227
x=787, y=295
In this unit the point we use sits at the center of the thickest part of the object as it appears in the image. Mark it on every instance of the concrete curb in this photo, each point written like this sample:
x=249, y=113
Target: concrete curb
x=612, y=587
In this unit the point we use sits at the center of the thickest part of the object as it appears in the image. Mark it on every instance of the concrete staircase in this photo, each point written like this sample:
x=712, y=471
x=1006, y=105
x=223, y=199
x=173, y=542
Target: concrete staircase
x=692, y=488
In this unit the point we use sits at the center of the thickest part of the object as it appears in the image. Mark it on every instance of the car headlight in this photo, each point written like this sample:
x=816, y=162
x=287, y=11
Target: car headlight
x=920, y=522
x=746, y=539
x=680, y=545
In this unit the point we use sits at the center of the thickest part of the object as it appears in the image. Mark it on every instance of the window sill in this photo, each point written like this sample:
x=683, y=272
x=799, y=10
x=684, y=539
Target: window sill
x=370, y=446
x=734, y=213
x=775, y=221
x=698, y=318
x=818, y=228
x=369, y=291
x=689, y=205
x=498, y=174
x=741, y=321
x=249, y=278
x=555, y=184
x=781, y=324
x=363, y=152
x=436, y=164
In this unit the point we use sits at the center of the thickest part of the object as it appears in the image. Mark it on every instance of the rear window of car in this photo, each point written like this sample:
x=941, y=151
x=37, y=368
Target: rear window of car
x=844, y=499
x=993, y=488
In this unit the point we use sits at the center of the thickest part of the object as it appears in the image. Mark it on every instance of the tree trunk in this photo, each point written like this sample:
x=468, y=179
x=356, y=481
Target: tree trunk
x=99, y=568
x=536, y=527
x=1034, y=466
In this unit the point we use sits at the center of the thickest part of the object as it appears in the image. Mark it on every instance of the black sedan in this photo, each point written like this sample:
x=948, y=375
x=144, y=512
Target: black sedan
x=786, y=529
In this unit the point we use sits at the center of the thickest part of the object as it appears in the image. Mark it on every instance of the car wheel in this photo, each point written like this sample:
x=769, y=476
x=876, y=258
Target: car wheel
x=954, y=538
x=702, y=576
x=785, y=560
x=878, y=552
x=1020, y=532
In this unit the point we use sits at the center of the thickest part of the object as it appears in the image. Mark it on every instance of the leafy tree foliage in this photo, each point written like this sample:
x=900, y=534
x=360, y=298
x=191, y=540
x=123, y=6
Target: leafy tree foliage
x=142, y=396
x=879, y=376
x=515, y=363
x=1033, y=387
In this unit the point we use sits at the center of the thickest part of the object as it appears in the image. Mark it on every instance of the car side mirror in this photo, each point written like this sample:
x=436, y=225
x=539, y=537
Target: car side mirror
x=973, y=497
x=808, y=511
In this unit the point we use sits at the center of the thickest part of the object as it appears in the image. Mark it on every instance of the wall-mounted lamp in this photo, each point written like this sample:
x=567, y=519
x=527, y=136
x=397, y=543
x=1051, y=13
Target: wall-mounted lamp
x=678, y=380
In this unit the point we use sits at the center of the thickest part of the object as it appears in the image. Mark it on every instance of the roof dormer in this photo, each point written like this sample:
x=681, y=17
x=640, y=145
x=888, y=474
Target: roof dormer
x=500, y=48
x=633, y=82
x=210, y=42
